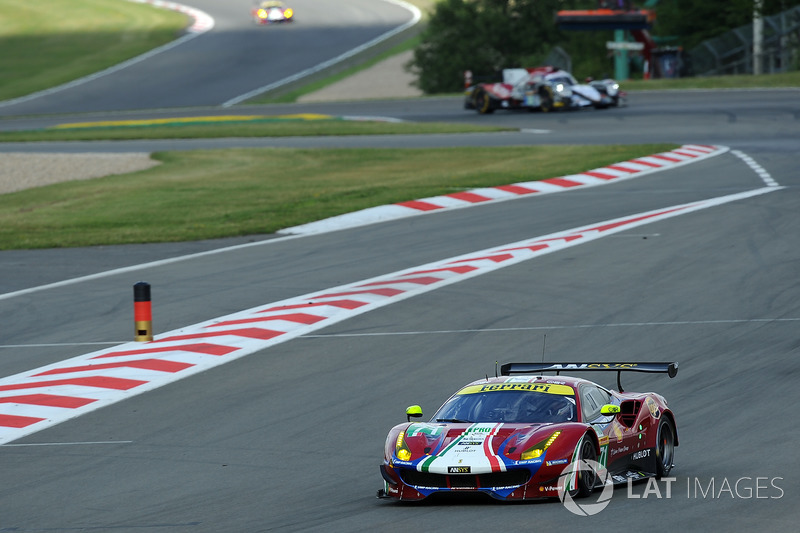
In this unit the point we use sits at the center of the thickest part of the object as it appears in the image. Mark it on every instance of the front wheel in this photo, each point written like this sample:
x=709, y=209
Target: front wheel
x=546, y=99
x=665, y=447
x=586, y=475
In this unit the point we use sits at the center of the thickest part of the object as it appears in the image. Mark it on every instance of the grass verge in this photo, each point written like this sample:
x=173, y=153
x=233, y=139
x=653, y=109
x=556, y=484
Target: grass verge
x=43, y=45
x=743, y=81
x=223, y=193
x=246, y=127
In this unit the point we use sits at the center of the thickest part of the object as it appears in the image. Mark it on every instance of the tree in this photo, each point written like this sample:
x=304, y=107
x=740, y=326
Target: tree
x=483, y=36
x=693, y=22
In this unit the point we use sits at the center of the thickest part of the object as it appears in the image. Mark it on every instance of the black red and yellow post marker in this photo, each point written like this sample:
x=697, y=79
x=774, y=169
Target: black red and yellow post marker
x=142, y=312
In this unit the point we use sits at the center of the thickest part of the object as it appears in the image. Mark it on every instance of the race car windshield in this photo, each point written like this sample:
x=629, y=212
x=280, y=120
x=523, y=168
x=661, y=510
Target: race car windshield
x=515, y=407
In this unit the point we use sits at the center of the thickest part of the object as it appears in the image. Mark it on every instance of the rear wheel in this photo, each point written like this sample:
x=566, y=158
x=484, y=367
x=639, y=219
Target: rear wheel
x=483, y=102
x=665, y=447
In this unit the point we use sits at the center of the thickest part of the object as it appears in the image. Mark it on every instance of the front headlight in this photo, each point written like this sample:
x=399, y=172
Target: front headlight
x=539, y=448
x=288, y=13
x=562, y=90
x=401, y=451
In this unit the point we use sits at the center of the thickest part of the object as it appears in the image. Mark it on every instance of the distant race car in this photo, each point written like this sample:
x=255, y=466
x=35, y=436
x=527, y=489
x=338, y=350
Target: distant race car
x=524, y=435
x=541, y=88
x=271, y=12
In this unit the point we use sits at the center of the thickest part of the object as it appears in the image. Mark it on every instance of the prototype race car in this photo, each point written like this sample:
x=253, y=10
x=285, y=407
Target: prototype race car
x=271, y=12
x=523, y=435
x=541, y=88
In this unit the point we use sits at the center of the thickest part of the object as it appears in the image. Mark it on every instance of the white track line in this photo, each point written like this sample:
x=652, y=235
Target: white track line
x=203, y=22
x=37, y=399
x=638, y=167
x=758, y=169
x=416, y=15
x=625, y=170
x=558, y=327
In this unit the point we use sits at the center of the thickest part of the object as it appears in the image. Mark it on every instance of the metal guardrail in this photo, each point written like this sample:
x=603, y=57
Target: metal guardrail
x=732, y=52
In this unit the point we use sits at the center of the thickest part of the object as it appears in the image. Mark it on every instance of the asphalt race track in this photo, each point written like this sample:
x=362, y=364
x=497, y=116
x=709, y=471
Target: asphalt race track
x=234, y=58
x=290, y=438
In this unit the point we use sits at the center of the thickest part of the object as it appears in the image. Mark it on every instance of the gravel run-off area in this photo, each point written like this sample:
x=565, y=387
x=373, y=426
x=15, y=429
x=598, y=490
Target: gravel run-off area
x=18, y=171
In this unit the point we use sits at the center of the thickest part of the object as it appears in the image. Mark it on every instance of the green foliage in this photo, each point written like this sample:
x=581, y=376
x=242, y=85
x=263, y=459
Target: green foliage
x=483, y=36
x=486, y=36
x=693, y=22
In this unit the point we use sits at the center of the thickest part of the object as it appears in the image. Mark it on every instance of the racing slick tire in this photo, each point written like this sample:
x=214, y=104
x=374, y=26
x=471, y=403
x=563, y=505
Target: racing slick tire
x=483, y=102
x=586, y=478
x=546, y=99
x=665, y=447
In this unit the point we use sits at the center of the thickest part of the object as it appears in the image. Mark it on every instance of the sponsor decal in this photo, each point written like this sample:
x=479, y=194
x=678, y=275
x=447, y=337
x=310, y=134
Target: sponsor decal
x=654, y=411
x=431, y=430
x=621, y=449
x=557, y=462
x=635, y=456
x=459, y=469
x=579, y=366
x=618, y=432
x=474, y=445
x=548, y=388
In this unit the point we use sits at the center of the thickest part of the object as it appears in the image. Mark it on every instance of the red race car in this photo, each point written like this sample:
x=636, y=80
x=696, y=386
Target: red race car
x=523, y=435
x=271, y=12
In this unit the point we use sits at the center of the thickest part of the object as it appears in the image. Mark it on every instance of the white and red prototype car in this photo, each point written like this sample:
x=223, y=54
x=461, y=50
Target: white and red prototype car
x=542, y=88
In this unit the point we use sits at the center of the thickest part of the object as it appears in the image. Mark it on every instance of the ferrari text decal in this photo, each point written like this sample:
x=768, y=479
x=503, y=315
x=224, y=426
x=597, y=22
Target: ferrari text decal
x=520, y=387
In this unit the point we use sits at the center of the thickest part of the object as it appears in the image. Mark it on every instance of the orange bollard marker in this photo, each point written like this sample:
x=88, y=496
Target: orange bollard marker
x=142, y=312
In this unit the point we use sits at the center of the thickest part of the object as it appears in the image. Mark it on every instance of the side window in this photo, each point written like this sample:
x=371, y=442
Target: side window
x=592, y=400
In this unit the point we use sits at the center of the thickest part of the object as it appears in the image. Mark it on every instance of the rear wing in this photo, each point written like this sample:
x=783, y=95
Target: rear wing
x=671, y=369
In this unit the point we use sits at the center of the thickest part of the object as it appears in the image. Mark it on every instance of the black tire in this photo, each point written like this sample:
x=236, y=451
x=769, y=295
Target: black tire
x=665, y=447
x=483, y=102
x=546, y=99
x=587, y=478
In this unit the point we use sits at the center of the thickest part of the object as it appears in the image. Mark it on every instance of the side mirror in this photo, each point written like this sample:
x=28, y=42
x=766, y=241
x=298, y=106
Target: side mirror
x=609, y=409
x=413, y=411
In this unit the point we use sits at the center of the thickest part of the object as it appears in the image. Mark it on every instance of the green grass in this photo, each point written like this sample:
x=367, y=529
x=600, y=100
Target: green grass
x=209, y=194
x=265, y=128
x=744, y=81
x=45, y=44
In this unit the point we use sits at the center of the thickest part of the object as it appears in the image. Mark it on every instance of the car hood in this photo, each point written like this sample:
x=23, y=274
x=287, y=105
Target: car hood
x=473, y=448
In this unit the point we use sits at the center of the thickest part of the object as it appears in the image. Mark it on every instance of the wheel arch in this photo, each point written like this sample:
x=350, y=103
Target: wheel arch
x=668, y=414
x=594, y=438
